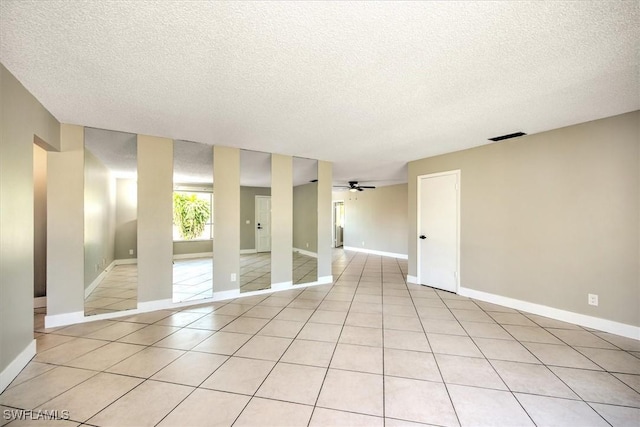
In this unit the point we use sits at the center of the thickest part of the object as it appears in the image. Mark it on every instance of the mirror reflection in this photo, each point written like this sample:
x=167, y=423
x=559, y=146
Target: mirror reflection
x=255, y=221
x=192, y=221
x=110, y=221
x=305, y=220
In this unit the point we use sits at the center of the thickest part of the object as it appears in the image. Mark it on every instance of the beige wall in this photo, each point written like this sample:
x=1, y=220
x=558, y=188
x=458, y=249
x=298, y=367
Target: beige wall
x=155, y=218
x=39, y=221
x=65, y=220
x=325, y=182
x=248, y=213
x=192, y=247
x=305, y=217
x=226, y=214
x=377, y=217
x=126, y=231
x=281, y=211
x=99, y=217
x=21, y=118
x=550, y=217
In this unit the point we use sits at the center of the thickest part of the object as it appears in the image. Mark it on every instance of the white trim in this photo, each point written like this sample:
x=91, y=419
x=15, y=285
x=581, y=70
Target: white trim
x=63, y=319
x=223, y=295
x=282, y=286
x=39, y=302
x=605, y=325
x=458, y=174
x=92, y=287
x=248, y=251
x=323, y=280
x=159, y=304
x=412, y=279
x=307, y=253
x=194, y=255
x=375, y=252
x=18, y=364
x=126, y=261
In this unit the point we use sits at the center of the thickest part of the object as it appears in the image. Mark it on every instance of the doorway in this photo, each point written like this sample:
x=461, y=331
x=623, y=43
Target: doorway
x=263, y=223
x=438, y=237
x=338, y=224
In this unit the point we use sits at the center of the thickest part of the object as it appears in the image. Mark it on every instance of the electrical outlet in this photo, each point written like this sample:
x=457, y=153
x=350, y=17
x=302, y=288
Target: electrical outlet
x=233, y=277
x=130, y=251
x=307, y=244
x=593, y=299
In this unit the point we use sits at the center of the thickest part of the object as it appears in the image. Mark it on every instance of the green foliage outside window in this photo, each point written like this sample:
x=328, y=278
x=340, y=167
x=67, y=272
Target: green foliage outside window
x=190, y=214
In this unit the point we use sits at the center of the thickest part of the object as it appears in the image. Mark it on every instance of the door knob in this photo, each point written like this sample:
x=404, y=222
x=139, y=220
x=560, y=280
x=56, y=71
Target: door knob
x=422, y=236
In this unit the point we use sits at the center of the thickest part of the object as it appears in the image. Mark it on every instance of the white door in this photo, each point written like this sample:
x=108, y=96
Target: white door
x=263, y=223
x=438, y=241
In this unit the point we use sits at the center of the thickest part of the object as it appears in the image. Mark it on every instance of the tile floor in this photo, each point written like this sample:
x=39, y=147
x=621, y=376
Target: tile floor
x=192, y=280
x=368, y=350
x=116, y=292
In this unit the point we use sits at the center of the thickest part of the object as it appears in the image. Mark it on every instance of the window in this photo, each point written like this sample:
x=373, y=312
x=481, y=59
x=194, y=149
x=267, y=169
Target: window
x=205, y=197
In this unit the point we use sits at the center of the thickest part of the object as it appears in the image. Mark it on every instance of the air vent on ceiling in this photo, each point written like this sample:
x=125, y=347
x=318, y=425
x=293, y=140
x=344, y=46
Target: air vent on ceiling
x=511, y=135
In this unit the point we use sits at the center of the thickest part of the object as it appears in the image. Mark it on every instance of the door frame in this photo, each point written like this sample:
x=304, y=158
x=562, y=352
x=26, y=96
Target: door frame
x=458, y=174
x=255, y=222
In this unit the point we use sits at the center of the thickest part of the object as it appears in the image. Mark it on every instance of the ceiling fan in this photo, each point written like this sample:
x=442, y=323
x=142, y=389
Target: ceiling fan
x=354, y=186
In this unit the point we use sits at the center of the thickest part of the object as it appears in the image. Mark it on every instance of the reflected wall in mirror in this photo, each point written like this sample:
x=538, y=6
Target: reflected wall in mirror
x=255, y=221
x=192, y=221
x=110, y=221
x=305, y=220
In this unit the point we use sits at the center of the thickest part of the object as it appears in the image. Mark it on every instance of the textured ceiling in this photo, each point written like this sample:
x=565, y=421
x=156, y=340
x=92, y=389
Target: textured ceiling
x=366, y=85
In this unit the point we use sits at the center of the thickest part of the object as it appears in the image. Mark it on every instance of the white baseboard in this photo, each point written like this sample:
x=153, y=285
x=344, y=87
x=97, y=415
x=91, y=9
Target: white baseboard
x=64, y=319
x=12, y=370
x=224, y=295
x=248, y=251
x=39, y=302
x=605, y=325
x=126, y=261
x=412, y=279
x=307, y=253
x=159, y=304
x=374, y=252
x=282, y=286
x=323, y=280
x=194, y=255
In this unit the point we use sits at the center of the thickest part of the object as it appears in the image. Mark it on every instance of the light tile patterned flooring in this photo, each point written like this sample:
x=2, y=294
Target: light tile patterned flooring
x=192, y=279
x=368, y=350
x=116, y=292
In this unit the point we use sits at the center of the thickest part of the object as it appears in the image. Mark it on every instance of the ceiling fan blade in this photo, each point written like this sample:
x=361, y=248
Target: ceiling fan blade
x=365, y=186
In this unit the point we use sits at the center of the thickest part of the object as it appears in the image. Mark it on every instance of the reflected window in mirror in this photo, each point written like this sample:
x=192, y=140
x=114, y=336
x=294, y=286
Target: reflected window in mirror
x=192, y=221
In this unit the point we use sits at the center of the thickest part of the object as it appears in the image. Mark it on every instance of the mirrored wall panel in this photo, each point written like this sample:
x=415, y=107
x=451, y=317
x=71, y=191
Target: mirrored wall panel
x=110, y=221
x=192, y=221
x=305, y=220
x=255, y=221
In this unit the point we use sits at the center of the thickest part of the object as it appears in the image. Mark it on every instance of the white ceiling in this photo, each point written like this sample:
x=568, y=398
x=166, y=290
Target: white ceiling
x=366, y=85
